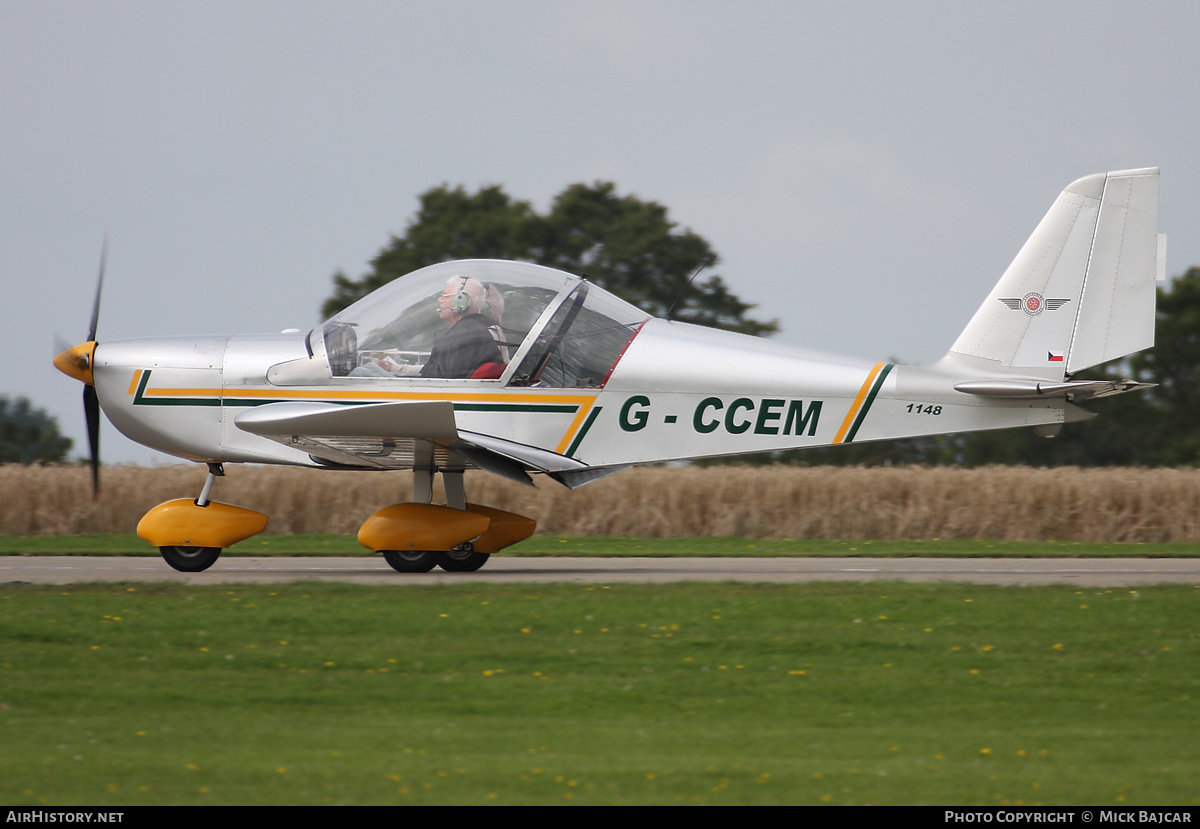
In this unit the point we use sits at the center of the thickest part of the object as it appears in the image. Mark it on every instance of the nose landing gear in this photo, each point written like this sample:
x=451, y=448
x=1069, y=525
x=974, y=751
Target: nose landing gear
x=191, y=534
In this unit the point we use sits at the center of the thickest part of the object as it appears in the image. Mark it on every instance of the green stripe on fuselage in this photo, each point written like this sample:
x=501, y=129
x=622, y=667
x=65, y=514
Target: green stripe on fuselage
x=586, y=425
x=866, y=407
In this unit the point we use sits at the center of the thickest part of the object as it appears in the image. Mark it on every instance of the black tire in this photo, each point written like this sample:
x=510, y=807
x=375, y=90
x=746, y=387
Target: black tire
x=411, y=561
x=462, y=559
x=190, y=559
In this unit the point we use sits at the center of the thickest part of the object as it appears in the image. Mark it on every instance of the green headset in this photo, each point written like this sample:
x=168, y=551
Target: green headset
x=461, y=302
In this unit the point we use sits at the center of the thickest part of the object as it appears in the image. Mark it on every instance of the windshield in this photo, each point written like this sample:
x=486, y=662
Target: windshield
x=581, y=344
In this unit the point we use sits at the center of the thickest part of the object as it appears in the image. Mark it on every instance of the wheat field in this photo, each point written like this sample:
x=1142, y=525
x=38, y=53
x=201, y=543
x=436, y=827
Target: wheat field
x=1001, y=503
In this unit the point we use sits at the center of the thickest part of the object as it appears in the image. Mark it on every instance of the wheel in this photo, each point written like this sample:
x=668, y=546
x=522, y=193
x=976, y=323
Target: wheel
x=411, y=561
x=462, y=559
x=190, y=559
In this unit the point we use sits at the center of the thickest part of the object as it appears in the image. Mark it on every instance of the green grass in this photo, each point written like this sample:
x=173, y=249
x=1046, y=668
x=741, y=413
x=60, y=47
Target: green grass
x=547, y=545
x=554, y=694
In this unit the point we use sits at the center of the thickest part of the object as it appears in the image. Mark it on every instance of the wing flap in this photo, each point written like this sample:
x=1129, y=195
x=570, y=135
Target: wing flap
x=532, y=457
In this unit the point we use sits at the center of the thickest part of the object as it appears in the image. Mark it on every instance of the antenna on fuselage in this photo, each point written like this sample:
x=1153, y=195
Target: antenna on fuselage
x=707, y=264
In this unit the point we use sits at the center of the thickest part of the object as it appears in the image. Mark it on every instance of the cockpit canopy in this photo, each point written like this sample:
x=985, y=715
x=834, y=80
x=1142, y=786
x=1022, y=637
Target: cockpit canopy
x=547, y=327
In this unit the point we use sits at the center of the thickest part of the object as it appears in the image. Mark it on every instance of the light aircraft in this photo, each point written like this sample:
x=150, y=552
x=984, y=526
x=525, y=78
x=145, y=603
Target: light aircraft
x=519, y=369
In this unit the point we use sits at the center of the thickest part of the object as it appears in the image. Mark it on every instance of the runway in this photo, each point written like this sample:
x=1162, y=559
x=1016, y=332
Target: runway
x=1095, y=572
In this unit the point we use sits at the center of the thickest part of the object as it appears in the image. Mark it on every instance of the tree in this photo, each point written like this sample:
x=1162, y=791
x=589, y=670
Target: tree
x=625, y=245
x=1168, y=420
x=450, y=224
x=28, y=435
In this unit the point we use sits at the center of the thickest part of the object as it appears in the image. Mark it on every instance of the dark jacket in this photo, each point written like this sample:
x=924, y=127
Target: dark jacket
x=462, y=348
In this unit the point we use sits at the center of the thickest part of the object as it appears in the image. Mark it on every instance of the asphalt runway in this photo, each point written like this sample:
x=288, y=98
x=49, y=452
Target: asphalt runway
x=1095, y=572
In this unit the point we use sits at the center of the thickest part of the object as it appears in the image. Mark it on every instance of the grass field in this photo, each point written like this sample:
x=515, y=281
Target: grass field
x=692, y=694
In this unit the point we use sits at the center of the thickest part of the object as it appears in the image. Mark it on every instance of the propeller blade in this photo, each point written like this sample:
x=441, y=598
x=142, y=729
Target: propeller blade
x=99, y=284
x=91, y=412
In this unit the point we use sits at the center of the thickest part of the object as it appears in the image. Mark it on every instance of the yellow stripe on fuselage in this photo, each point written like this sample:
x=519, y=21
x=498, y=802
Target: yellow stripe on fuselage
x=584, y=408
x=858, y=401
x=584, y=402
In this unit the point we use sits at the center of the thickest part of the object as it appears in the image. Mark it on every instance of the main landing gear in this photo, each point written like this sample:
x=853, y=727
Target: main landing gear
x=462, y=559
x=418, y=536
x=413, y=537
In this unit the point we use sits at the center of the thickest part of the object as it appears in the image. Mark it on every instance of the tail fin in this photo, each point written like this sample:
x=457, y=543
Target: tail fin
x=1081, y=291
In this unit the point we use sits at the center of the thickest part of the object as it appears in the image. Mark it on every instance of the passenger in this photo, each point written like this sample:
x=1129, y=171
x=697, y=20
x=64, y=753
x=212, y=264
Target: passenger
x=493, y=309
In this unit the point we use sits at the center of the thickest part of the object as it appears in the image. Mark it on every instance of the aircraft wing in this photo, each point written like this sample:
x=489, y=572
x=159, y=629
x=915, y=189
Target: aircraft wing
x=402, y=435
x=427, y=420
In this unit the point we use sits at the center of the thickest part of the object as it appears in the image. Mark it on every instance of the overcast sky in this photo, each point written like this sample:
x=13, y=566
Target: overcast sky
x=866, y=170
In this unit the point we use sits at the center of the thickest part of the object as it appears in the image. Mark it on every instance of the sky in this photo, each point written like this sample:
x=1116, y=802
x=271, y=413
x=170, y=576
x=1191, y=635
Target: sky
x=865, y=170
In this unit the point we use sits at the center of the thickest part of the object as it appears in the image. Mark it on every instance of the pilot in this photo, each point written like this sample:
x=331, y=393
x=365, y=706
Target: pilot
x=468, y=343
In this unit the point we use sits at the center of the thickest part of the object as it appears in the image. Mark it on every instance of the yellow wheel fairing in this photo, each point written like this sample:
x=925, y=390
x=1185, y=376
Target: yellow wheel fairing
x=181, y=523
x=505, y=529
x=420, y=527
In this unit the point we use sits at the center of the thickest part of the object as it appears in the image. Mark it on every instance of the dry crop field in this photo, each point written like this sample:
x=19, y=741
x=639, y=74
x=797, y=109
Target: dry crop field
x=1002, y=503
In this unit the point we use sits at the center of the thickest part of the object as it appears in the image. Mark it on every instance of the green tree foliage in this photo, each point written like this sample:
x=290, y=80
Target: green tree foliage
x=623, y=244
x=29, y=435
x=1167, y=420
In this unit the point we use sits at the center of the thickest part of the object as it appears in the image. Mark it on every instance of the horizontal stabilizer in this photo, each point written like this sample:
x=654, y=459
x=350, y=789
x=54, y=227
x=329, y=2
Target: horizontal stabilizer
x=1034, y=389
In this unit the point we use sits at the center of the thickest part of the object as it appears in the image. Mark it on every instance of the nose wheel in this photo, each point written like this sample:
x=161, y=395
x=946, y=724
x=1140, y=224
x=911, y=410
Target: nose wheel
x=190, y=559
x=190, y=535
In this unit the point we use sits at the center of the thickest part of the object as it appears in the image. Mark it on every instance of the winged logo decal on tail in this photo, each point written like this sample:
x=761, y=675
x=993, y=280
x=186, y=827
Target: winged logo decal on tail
x=1033, y=303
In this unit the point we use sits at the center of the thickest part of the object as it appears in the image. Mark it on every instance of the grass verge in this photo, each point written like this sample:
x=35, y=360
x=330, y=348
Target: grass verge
x=693, y=694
